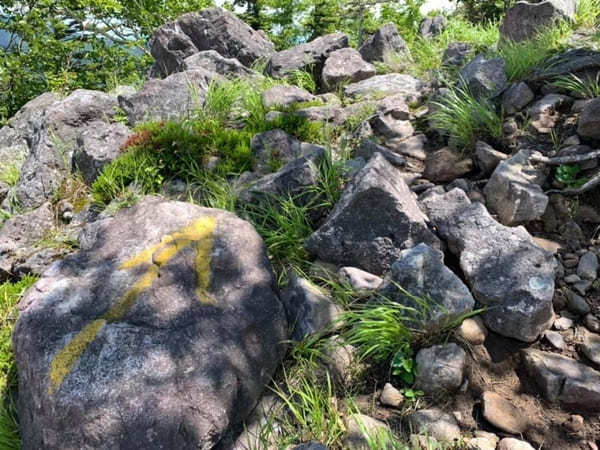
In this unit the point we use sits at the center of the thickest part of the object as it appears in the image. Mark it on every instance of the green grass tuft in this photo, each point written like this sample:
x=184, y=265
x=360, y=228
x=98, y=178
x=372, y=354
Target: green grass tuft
x=9, y=174
x=587, y=14
x=579, y=87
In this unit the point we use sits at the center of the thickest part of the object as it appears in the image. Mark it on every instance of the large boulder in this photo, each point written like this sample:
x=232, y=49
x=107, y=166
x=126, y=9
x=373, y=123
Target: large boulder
x=508, y=273
x=53, y=141
x=161, y=332
x=353, y=236
x=213, y=62
x=345, y=66
x=589, y=120
x=420, y=272
x=175, y=97
x=485, y=78
x=514, y=190
x=384, y=44
x=97, y=145
x=524, y=19
x=210, y=29
x=310, y=56
x=386, y=85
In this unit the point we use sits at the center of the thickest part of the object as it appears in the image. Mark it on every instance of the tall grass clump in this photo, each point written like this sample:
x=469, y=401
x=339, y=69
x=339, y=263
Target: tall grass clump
x=580, y=87
x=465, y=119
x=10, y=294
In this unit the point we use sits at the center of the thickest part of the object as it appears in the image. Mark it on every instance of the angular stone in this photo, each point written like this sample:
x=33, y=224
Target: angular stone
x=352, y=236
x=275, y=148
x=555, y=339
x=440, y=369
x=309, y=310
x=384, y=44
x=456, y=54
x=444, y=165
x=359, y=280
x=589, y=120
x=309, y=56
x=503, y=414
x=388, y=127
x=562, y=379
x=517, y=97
x=590, y=346
x=367, y=149
x=508, y=273
x=175, y=97
x=487, y=158
x=485, y=78
x=345, y=66
x=421, y=272
x=545, y=112
x=386, y=85
x=435, y=423
x=524, y=19
x=285, y=96
x=166, y=306
x=514, y=192
x=212, y=61
x=97, y=145
x=432, y=26
x=210, y=29
x=513, y=444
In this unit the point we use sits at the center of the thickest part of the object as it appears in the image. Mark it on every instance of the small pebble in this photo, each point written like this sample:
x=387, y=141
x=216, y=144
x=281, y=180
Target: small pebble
x=472, y=330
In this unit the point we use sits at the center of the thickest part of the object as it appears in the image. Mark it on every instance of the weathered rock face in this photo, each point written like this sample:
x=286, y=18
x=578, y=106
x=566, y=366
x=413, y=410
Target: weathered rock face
x=213, y=62
x=524, y=19
x=175, y=97
x=563, y=379
x=589, y=120
x=385, y=43
x=485, y=78
x=286, y=96
x=210, y=29
x=508, y=273
x=391, y=84
x=302, y=57
x=161, y=332
x=517, y=97
x=514, y=191
x=487, y=158
x=352, y=236
x=54, y=140
x=97, y=145
x=422, y=273
x=345, y=65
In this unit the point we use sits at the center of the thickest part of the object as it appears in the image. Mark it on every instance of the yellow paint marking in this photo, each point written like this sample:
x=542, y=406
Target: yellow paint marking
x=199, y=233
x=64, y=361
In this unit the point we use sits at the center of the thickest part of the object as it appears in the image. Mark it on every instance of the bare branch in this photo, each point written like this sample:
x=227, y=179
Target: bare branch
x=591, y=184
x=557, y=161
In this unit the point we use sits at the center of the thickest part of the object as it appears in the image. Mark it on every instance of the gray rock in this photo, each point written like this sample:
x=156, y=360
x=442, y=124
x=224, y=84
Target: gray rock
x=275, y=148
x=563, y=379
x=285, y=96
x=351, y=236
x=97, y=145
x=588, y=266
x=432, y=26
x=545, y=113
x=390, y=396
x=487, y=158
x=440, y=369
x=514, y=190
x=513, y=444
x=341, y=360
x=386, y=85
x=345, y=66
x=414, y=146
x=444, y=166
x=53, y=141
x=517, y=97
x=507, y=272
x=577, y=304
x=524, y=20
x=435, y=423
x=387, y=126
x=175, y=97
x=359, y=280
x=395, y=106
x=485, y=78
x=555, y=339
x=310, y=311
x=19, y=237
x=309, y=56
x=456, y=54
x=294, y=179
x=212, y=61
x=165, y=307
x=384, y=44
x=210, y=29
x=503, y=414
x=589, y=120
x=360, y=429
x=421, y=272
x=472, y=330
x=563, y=324
x=590, y=346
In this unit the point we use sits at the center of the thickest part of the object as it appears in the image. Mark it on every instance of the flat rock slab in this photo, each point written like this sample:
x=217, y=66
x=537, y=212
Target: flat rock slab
x=563, y=379
x=161, y=332
x=508, y=273
x=376, y=218
x=503, y=414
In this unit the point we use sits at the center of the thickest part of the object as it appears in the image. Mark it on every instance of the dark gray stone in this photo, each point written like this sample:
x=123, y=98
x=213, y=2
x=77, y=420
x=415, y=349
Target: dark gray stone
x=524, y=19
x=588, y=266
x=503, y=414
x=485, y=78
x=487, y=158
x=589, y=120
x=352, y=236
x=517, y=97
x=166, y=306
x=435, y=423
x=210, y=29
x=384, y=44
x=445, y=165
x=577, y=61
x=456, y=54
x=507, y=272
x=421, y=272
x=345, y=66
x=310, y=56
x=432, y=26
x=440, y=369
